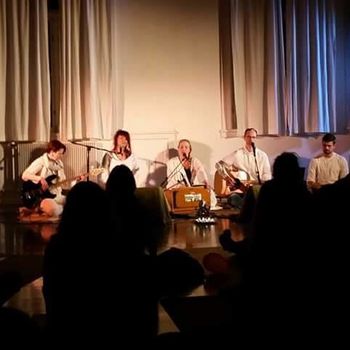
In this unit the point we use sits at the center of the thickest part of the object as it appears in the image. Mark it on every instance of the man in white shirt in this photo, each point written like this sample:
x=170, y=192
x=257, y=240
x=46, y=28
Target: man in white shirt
x=327, y=167
x=248, y=164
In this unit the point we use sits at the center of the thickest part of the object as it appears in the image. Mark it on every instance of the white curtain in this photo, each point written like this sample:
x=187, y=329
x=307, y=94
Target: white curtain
x=24, y=71
x=90, y=105
x=257, y=52
x=283, y=66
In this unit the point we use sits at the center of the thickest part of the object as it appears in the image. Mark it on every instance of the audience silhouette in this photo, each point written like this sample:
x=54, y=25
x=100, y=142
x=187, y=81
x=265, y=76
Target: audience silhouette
x=89, y=279
x=79, y=268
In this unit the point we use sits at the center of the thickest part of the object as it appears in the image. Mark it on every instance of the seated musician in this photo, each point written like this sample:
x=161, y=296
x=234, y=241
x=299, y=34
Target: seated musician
x=246, y=166
x=186, y=170
x=121, y=154
x=327, y=167
x=49, y=201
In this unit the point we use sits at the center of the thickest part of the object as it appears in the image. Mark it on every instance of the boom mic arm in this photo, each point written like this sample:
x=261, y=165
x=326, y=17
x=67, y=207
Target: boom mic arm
x=173, y=173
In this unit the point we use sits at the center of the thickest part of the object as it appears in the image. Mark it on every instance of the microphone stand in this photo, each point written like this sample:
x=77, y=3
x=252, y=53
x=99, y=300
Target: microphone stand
x=175, y=184
x=176, y=169
x=256, y=165
x=88, y=149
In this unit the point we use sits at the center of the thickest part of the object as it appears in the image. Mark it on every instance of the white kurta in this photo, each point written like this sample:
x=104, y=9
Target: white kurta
x=177, y=176
x=245, y=162
x=110, y=161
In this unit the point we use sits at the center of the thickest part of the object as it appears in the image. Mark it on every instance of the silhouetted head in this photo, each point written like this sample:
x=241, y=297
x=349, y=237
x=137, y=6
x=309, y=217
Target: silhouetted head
x=286, y=168
x=121, y=182
x=85, y=208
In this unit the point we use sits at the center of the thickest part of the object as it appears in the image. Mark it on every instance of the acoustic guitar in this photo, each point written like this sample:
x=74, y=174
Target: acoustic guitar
x=224, y=178
x=32, y=193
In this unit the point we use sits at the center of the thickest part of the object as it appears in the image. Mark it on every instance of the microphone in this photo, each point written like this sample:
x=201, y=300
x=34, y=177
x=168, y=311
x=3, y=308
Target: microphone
x=254, y=149
x=123, y=149
x=184, y=156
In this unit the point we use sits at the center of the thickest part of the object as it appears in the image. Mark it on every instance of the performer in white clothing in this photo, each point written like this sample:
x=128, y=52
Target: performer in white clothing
x=185, y=170
x=120, y=155
x=35, y=192
x=327, y=167
x=249, y=164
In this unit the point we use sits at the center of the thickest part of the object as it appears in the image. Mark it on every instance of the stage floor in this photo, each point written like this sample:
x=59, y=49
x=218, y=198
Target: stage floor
x=22, y=244
x=30, y=235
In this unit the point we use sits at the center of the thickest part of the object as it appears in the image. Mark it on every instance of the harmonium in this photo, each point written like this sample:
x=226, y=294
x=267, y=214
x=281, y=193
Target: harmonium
x=184, y=200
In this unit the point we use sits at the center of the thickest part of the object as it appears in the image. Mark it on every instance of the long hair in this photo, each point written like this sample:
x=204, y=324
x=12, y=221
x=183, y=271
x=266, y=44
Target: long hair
x=124, y=133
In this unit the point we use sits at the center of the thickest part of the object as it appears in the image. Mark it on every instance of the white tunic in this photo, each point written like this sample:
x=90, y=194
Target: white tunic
x=111, y=160
x=177, y=177
x=244, y=160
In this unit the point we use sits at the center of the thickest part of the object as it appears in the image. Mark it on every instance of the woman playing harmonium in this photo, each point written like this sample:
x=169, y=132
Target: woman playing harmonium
x=184, y=169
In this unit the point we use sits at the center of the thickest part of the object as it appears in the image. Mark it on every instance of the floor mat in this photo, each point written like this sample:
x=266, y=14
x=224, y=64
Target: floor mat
x=29, y=216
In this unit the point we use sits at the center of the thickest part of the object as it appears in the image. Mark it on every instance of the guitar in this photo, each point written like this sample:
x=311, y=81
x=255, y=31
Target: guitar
x=233, y=183
x=32, y=193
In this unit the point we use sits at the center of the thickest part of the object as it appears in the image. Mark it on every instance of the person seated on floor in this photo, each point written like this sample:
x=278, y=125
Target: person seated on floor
x=277, y=198
x=42, y=178
x=121, y=154
x=244, y=167
x=91, y=274
x=276, y=274
x=328, y=167
x=126, y=212
x=185, y=170
x=141, y=225
x=332, y=262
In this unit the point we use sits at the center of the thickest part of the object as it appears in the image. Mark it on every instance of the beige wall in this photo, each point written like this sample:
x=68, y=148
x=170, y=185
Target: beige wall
x=171, y=71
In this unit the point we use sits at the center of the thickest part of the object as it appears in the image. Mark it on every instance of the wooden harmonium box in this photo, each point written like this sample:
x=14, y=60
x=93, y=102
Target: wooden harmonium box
x=186, y=199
